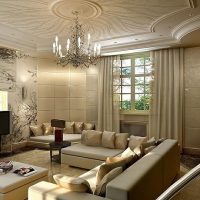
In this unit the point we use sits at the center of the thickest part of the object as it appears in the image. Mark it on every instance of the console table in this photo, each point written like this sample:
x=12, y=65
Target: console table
x=57, y=146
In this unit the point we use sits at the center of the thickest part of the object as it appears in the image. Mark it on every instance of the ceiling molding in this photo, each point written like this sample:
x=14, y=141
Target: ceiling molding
x=186, y=27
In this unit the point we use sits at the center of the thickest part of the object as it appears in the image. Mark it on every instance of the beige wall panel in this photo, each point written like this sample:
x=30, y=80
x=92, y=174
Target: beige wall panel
x=62, y=114
x=61, y=91
x=192, y=97
x=192, y=137
x=91, y=115
x=92, y=70
x=77, y=70
x=45, y=104
x=192, y=57
x=61, y=78
x=77, y=103
x=45, y=116
x=77, y=79
x=45, y=91
x=77, y=91
x=192, y=116
x=91, y=98
x=192, y=77
x=61, y=103
x=77, y=115
x=45, y=78
x=92, y=82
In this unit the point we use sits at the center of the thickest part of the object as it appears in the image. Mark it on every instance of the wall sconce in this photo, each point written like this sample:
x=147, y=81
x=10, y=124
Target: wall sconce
x=24, y=92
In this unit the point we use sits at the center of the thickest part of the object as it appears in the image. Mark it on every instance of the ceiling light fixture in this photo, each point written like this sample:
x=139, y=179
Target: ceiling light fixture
x=77, y=52
x=10, y=55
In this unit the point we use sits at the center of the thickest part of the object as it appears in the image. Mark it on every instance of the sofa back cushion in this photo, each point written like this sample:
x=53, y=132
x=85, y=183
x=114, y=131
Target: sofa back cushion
x=88, y=126
x=135, y=141
x=121, y=140
x=36, y=130
x=69, y=128
x=108, y=139
x=47, y=129
x=101, y=187
x=92, y=138
x=78, y=127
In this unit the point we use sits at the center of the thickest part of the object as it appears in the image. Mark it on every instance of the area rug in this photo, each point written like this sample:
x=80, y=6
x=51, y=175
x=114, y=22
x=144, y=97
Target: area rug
x=190, y=161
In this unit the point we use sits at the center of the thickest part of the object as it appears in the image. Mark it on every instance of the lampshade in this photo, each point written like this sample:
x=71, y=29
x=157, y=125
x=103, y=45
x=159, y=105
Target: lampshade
x=58, y=123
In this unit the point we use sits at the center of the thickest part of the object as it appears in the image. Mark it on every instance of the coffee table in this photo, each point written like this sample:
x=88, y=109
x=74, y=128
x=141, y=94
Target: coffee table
x=13, y=186
x=57, y=146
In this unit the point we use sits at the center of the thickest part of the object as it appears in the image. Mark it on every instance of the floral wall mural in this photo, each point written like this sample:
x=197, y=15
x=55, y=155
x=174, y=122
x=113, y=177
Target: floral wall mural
x=21, y=74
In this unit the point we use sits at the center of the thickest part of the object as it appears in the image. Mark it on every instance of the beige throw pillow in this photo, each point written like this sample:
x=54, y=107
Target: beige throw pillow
x=108, y=139
x=69, y=128
x=47, y=129
x=105, y=168
x=93, y=138
x=88, y=126
x=144, y=145
x=36, y=130
x=78, y=127
x=83, y=137
x=135, y=141
x=101, y=187
x=128, y=152
x=72, y=184
x=148, y=149
x=121, y=140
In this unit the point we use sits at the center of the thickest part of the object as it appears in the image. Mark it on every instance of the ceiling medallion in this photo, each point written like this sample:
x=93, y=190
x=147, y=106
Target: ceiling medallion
x=10, y=55
x=78, y=49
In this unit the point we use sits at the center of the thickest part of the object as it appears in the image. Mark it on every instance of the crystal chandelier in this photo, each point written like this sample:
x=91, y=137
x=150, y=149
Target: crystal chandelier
x=78, y=50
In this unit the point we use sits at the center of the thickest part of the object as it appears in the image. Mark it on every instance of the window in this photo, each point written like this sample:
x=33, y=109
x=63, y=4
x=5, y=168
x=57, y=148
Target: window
x=3, y=100
x=135, y=78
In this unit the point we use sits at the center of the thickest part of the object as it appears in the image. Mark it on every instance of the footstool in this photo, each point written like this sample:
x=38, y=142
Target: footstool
x=15, y=187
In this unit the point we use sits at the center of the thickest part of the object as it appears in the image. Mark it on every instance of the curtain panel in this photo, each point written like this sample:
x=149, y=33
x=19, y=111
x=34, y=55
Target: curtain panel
x=108, y=103
x=166, y=113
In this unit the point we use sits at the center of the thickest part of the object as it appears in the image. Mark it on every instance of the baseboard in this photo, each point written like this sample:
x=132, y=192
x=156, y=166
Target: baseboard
x=191, y=151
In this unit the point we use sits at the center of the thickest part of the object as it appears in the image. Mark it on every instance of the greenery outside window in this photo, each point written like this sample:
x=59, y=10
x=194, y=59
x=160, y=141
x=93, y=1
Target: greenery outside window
x=3, y=100
x=135, y=79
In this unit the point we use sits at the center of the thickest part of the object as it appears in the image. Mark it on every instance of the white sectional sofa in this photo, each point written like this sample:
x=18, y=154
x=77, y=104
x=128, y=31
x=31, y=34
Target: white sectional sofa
x=41, y=135
x=146, y=179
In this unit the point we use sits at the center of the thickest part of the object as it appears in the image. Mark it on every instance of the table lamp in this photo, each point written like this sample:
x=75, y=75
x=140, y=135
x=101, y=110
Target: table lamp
x=58, y=126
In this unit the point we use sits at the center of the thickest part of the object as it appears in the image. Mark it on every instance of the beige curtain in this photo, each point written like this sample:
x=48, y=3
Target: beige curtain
x=166, y=115
x=108, y=104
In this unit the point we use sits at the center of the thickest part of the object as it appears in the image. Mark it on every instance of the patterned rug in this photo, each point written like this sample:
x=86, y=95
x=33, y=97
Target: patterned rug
x=190, y=161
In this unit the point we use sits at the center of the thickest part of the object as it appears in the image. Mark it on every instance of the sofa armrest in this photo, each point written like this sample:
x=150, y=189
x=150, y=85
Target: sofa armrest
x=49, y=191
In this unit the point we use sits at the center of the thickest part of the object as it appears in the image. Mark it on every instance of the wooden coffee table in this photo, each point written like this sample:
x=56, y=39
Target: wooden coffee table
x=57, y=146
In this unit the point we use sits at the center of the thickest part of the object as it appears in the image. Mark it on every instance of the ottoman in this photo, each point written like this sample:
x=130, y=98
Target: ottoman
x=15, y=187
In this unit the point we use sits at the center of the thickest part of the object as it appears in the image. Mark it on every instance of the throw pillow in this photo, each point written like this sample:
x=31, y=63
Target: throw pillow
x=78, y=127
x=108, y=139
x=93, y=138
x=47, y=129
x=88, y=126
x=128, y=160
x=101, y=187
x=128, y=152
x=144, y=145
x=121, y=140
x=159, y=141
x=83, y=137
x=148, y=149
x=136, y=141
x=72, y=184
x=69, y=128
x=36, y=130
x=106, y=168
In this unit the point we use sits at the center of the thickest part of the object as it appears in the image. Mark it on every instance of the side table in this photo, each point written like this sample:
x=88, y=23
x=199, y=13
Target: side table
x=57, y=146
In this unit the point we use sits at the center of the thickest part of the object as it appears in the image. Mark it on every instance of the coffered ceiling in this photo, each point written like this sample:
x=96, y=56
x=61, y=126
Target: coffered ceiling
x=118, y=25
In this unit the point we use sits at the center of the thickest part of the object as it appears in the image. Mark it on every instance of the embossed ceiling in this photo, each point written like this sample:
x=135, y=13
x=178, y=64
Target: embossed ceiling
x=116, y=24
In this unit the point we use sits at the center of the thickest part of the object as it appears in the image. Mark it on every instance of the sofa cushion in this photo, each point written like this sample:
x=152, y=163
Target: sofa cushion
x=101, y=187
x=93, y=138
x=78, y=127
x=47, y=129
x=83, y=137
x=106, y=168
x=69, y=127
x=108, y=139
x=135, y=141
x=72, y=184
x=149, y=143
x=88, y=126
x=36, y=130
x=97, y=153
x=121, y=140
x=51, y=138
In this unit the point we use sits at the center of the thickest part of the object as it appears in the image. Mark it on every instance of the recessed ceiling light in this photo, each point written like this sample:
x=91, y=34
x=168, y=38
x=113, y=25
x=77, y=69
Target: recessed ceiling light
x=115, y=42
x=136, y=39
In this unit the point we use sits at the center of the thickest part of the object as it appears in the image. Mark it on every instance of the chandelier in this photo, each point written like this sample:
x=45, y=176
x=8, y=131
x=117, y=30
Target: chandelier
x=10, y=55
x=78, y=50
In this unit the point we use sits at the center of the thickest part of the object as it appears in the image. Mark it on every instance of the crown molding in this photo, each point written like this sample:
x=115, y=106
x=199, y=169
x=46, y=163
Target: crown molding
x=186, y=27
